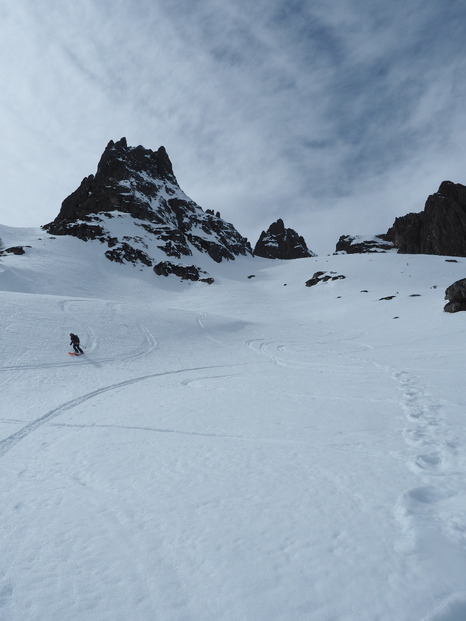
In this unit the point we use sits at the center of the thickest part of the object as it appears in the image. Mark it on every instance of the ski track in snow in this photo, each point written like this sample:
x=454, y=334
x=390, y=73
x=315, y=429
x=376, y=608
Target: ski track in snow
x=147, y=345
x=147, y=342
x=9, y=442
x=426, y=513
x=344, y=382
x=293, y=354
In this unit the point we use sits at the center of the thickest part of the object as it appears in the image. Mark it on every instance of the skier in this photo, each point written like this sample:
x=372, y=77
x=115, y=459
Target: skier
x=75, y=342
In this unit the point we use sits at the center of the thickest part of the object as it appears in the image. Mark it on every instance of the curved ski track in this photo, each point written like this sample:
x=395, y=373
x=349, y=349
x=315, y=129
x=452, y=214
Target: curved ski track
x=8, y=443
x=431, y=510
x=147, y=343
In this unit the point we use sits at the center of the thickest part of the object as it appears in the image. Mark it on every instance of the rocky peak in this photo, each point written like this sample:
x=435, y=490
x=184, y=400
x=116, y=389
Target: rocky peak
x=454, y=191
x=127, y=179
x=121, y=162
x=163, y=221
x=279, y=242
x=439, y=229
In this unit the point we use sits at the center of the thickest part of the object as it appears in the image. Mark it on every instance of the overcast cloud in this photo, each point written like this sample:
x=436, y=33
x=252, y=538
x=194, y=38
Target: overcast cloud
x=336, y=115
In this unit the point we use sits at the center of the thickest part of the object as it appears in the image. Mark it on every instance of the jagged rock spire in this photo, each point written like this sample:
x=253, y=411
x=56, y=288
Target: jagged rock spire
x=141, y=183
x=281, y=243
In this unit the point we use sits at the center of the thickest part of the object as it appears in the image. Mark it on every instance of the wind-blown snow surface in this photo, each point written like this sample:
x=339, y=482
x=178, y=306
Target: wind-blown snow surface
x=245, y=451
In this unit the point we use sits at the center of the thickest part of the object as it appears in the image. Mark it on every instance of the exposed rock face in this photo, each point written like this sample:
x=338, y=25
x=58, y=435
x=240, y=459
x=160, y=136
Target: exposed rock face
x=456, y=294
x=281, y=243
x=439, y=229
x=16, y=249
x=135, y=206
x=359, y=244
x=185, y=272
x=323, y=277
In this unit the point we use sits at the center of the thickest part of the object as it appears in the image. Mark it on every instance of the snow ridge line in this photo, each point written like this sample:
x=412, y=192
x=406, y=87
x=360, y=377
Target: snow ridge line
x=8, y=443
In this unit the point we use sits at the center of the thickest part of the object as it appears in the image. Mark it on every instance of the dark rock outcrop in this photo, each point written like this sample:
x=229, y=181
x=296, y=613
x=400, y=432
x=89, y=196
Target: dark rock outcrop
x=323, y=277
x=135, y=188
x=281, y=243
x=185, y=272
x=440, y=229
x=124, y=252
x=358, y=244
x=16, y=249
x=456, y=296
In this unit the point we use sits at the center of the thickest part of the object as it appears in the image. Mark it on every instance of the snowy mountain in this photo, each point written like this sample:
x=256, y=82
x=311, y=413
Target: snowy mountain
x=245, y=451
x=135, y=207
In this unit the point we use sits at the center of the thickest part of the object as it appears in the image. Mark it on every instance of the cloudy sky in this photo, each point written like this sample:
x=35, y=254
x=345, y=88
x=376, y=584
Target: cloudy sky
x=336, y=115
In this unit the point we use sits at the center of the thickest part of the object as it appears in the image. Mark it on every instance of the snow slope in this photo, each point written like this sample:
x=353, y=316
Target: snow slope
x=251, y=450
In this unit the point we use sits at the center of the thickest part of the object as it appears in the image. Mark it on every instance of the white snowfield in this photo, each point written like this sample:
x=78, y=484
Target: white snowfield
x=245, y=451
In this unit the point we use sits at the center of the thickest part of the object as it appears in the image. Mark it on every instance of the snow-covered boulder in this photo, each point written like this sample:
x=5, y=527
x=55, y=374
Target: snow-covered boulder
x=358, y=244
